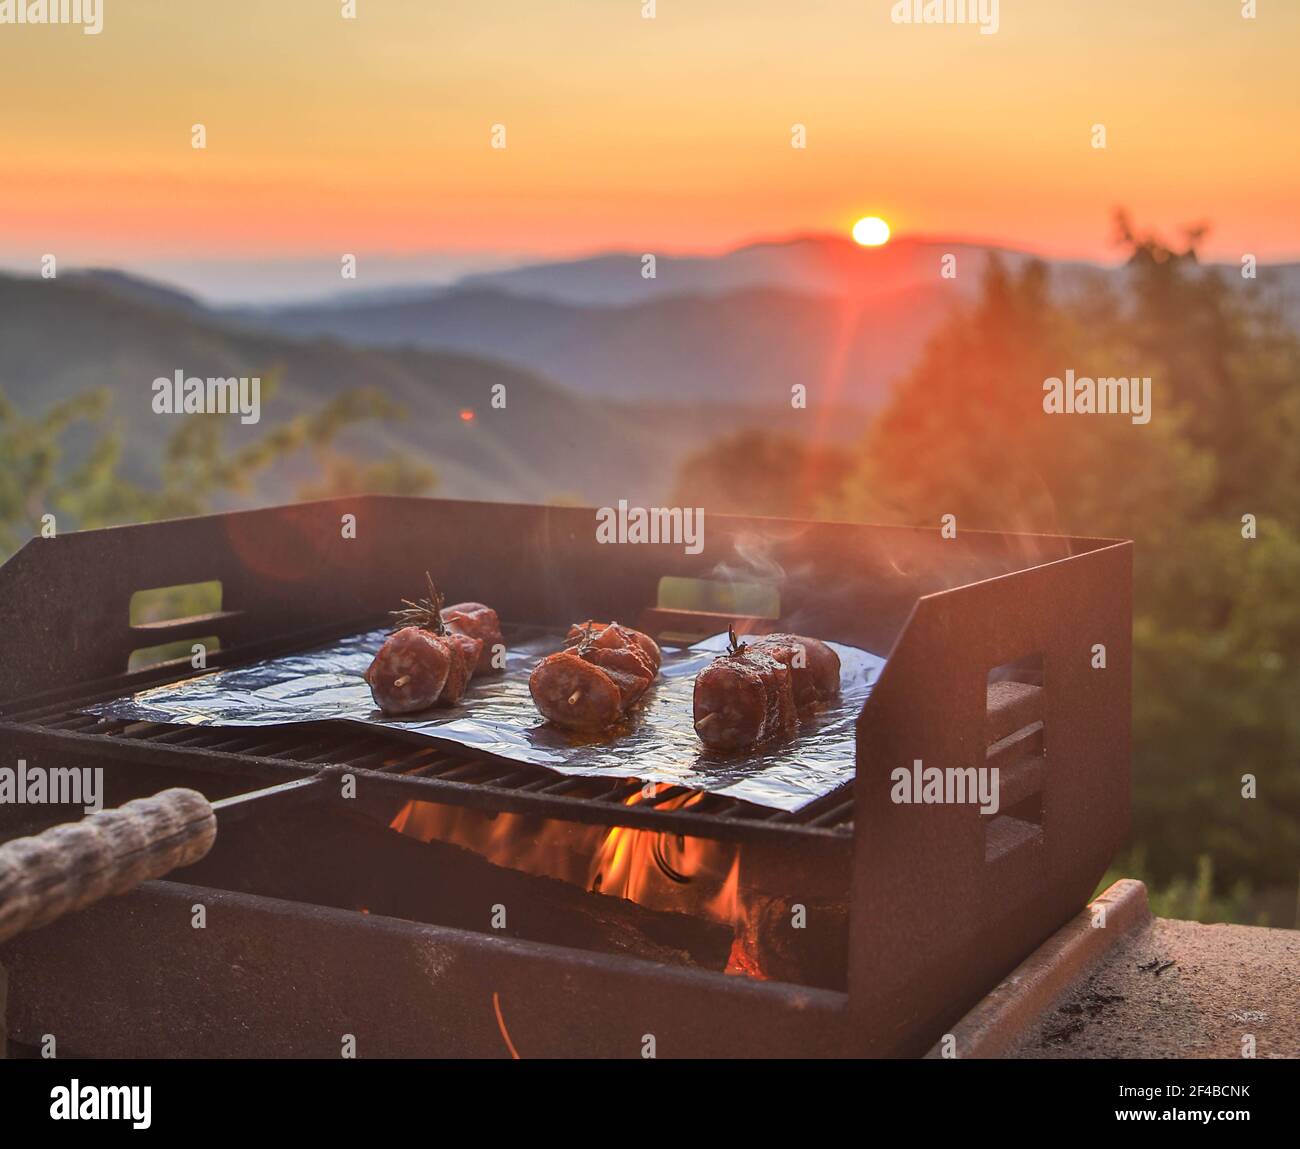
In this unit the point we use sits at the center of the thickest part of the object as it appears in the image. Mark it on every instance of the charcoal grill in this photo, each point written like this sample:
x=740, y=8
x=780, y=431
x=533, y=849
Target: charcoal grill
x=991, y=640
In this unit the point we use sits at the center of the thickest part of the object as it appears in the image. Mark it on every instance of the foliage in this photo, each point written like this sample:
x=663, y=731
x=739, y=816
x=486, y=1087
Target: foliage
x=1217, y=617
x=1191, y=899
x=41, y=474
x=761, y=472
x=344, y=474
x=30, y=455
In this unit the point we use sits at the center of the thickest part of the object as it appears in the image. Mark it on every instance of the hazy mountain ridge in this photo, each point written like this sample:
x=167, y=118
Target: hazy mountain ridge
x=604, y=399
x=142, y=289
x=62, y=338
x=743, y=326
x=815, y=265
x=749, y=345
x=823, y=265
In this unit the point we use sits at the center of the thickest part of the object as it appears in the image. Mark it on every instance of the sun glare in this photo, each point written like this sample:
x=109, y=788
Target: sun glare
x=871, y=231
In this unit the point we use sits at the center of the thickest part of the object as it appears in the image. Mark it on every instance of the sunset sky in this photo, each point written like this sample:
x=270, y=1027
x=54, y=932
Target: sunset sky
x=328, y=135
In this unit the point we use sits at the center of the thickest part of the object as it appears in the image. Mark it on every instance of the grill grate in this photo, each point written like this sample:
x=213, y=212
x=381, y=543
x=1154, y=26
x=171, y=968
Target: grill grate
x=395, y=767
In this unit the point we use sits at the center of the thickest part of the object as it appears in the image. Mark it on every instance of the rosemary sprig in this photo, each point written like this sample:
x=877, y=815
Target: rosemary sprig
x=426, y=613
x=734, y=645
x=586, y=641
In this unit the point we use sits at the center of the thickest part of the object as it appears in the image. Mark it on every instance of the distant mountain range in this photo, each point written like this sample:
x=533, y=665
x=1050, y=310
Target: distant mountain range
x=739, y=327
x=813, y=265
x=611, y=377
x=745, y=346
x=61, y=338
x=819, y=265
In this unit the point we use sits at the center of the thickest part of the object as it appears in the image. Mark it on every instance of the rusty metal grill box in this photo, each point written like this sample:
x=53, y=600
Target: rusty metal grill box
x=990, y=640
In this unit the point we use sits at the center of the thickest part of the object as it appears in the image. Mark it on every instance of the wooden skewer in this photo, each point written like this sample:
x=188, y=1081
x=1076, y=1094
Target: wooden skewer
x=573, y=698
x=398, y=683
x=703, y=722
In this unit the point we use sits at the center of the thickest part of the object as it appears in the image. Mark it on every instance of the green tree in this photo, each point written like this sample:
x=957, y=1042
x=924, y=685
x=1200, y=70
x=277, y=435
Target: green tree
x=761, y=472
x=1217, y=620
x=1217, y=617
x=43, y=472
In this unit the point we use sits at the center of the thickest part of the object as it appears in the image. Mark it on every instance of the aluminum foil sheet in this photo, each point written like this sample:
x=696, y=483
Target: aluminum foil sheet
x=656, y=742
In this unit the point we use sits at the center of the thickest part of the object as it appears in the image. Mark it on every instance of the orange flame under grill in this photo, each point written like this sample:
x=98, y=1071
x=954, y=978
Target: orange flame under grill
x=667, y=872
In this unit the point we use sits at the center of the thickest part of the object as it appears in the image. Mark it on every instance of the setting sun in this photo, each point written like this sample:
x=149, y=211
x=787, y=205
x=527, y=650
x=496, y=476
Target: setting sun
x=871, y=231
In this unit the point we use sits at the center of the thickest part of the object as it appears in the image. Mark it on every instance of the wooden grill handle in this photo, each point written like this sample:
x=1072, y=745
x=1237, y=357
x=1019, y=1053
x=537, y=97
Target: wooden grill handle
x=68, y=867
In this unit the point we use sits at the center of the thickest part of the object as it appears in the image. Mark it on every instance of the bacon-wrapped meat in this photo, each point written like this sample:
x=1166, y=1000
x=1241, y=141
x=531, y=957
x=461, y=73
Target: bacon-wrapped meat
x=755, y=691
x=423, y=663
x=814, y=666
x=591, y=683
x=477, y=621
x=614, y=634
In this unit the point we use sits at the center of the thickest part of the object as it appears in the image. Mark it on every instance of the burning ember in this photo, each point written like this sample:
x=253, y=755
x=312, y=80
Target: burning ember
x=665, y=872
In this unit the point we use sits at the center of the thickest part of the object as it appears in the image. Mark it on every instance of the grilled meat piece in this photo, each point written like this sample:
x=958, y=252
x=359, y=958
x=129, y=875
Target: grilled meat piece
x=477, y=621
x=612, y=634
x=814, y=666
x=429, y=659
x=592, y=682
x=416, y=669
x=755, y=691
x=743, y=698
x=468, y=650
x=575, y=693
